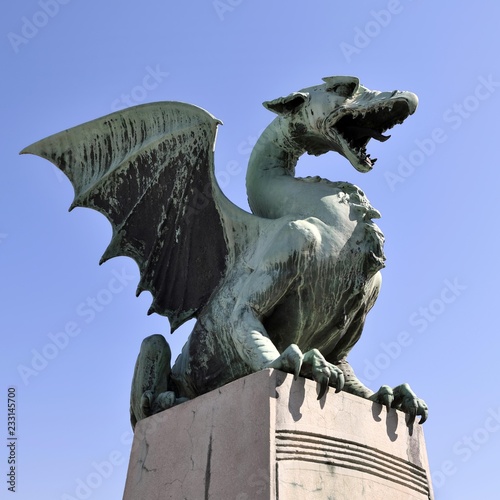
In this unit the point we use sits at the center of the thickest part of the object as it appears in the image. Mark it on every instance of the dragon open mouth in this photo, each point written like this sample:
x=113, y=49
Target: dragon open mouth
x=354, y=127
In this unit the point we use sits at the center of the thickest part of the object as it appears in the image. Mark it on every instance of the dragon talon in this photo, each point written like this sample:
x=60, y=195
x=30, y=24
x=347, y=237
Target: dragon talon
x=298, y=367
x=389, y=399
x=340, y=383
x=410, y=418
x=323, y=388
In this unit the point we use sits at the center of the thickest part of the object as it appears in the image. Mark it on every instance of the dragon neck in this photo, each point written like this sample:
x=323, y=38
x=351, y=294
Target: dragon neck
x=274, y=192
x=271, y=169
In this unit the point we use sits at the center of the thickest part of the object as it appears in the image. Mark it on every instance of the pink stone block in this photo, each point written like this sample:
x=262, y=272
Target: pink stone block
x=266, y=436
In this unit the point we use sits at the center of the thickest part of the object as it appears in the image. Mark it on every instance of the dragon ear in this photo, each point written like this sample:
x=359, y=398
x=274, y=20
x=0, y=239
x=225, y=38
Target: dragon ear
x=344, y=86
x=289, y=104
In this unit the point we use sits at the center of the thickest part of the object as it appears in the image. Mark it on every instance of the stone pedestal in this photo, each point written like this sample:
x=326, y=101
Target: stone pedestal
x=266, y=436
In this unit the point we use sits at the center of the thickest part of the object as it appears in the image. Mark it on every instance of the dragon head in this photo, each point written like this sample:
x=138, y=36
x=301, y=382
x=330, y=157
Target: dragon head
x=341, y=115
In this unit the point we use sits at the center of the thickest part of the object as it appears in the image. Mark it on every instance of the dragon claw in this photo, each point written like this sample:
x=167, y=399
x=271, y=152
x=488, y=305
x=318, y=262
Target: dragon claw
x=323, y=388
x=324, y=373
x=414, y=407
x=296, y=372
x=147, y=399
x=329, y=377
x=313, y=365
x=406, y=400
x=289, y=361
x=403, y=398
x=424, y=415
x=384, y=396
x=340, y=381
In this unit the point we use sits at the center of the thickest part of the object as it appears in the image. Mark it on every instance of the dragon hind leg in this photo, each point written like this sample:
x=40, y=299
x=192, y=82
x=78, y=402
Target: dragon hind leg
x=150, y=392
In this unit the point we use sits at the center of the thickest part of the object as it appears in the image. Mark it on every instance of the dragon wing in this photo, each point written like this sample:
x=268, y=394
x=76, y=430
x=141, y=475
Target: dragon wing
x=150, y=170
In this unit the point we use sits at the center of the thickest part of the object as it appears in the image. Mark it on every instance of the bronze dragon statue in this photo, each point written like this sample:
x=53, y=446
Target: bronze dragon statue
x=287, y=287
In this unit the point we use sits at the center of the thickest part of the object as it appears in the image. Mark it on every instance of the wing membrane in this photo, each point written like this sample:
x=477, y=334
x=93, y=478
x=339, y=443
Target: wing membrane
x=149, y=169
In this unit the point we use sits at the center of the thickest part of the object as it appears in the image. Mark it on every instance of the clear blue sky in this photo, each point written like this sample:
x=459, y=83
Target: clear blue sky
x=71, y=330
